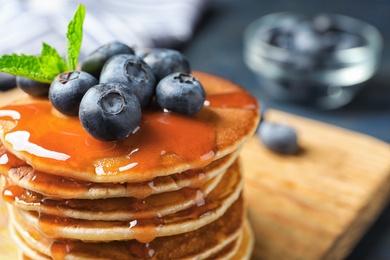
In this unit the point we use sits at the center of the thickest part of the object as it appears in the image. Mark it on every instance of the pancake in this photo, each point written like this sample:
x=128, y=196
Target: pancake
x=27, y=251
x=228, y=251
x=120, y=209
x=63, y=148
x=35, y=249
x=117, y=209
x=53, y=186
x=214, y=206
x=245, y=250
x=234, y=250
x=203, y=242
x=240, y=248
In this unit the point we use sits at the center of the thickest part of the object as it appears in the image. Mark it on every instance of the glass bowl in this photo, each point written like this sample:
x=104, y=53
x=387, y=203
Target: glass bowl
x=327, y=77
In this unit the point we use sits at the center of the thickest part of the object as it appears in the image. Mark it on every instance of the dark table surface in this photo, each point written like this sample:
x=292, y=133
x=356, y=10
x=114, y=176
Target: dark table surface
x=217, y=47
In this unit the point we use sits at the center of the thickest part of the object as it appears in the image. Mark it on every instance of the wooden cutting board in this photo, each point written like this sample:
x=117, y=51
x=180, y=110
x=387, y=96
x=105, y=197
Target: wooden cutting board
x=317, y=204
x=314, y=205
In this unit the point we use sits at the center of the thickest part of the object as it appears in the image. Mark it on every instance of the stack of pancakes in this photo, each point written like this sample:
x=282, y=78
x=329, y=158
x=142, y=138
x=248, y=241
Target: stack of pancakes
x=172, y=190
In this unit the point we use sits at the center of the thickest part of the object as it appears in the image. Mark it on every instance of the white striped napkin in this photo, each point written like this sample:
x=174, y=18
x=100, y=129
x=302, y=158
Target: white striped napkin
x=25, y=24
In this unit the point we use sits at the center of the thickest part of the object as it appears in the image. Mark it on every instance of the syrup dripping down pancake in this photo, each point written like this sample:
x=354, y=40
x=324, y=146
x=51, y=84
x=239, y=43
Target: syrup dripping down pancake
x=238, y=249
x=32, y=250
x=214, y=206
x=58, y=187
x=117, y=209
x=209, y=241
x=165, y=144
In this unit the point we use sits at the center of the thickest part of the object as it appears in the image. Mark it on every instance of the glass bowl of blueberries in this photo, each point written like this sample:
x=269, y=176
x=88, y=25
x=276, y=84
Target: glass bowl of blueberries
x=321, y=60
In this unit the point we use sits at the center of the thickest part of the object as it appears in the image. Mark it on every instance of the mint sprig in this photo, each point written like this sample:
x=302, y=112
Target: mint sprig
x=49, y=63
x=75, y=37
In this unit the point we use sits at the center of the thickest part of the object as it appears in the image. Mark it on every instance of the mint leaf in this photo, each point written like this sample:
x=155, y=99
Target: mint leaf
x=51, y=62
x=41, y=68
x=25, y=66
x=75, y=36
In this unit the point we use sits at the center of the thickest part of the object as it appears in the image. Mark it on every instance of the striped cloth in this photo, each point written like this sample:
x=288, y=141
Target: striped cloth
x=25, y=24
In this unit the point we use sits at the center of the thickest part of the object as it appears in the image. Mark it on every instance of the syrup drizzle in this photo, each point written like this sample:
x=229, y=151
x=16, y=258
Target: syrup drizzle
x=12, y=192
x=144, y=228
x=59, y=249
x=8, y=161
x=162, y=140
x=52, y=140
x=241, y=100
x=126, y=250
x=133, y=249
x=140, y=208
x=58, y=187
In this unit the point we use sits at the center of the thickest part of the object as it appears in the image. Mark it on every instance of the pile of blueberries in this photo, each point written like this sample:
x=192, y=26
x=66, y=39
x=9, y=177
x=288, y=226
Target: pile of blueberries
x=116, y=82
x=312, y=37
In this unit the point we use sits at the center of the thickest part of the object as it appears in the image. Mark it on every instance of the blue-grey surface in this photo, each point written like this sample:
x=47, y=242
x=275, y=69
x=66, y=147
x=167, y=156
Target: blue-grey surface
x=217, y=48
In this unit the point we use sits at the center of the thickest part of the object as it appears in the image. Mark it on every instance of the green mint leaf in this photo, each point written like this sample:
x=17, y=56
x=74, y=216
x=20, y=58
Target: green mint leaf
x=25, y=66
x=51, y=62
x=75, y=36
x=41, y=68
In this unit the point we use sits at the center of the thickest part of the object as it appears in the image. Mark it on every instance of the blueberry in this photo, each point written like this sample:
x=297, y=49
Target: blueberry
x=7, y=81
x=289, y=22
x=109, y=111
x=283, y=40
x=306, y=39
x=68, y=88
x=32, y=87
x=279, y=138
x=181, y=93
x=133, y=72
x=166, y=61
x=323, y=23
x=282, y=34
x=94, y=62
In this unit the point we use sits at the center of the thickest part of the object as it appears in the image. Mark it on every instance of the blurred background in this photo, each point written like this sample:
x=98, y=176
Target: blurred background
x=211, y=34
x=217, y=47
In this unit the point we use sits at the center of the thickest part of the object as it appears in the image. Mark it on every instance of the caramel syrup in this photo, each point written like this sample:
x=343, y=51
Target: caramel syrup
x=12, y=192
x=58, y=187
x=124, y=250
x=59, y=250
x=141, y=208
x=143, y=230
x=60, y=142
x=43, y=137
x=232, y=100
x=8, y=161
